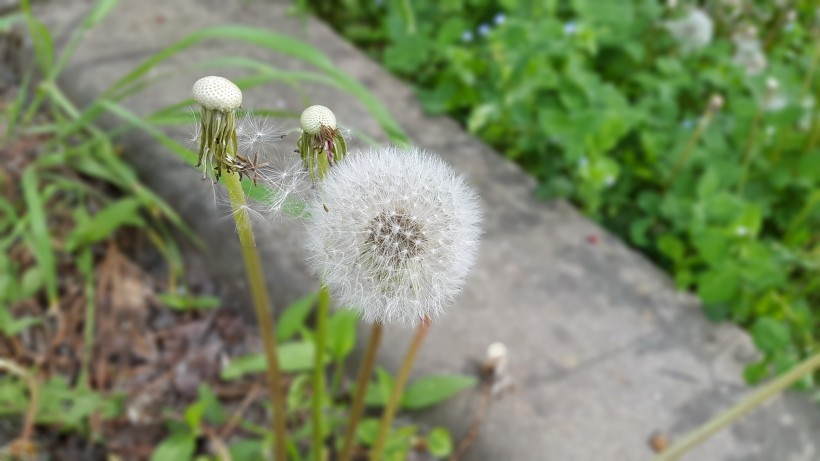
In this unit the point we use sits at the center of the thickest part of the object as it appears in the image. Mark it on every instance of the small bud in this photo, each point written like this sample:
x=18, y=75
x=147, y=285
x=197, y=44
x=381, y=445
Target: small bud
x=715, y=102
x=315, y=117
x=217, y=93
x=772, y=84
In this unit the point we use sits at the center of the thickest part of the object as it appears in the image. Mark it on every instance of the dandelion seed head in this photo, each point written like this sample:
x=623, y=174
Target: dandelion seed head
x=393, y=233
x=315, y=117
x=693, y=31
x=217, y=93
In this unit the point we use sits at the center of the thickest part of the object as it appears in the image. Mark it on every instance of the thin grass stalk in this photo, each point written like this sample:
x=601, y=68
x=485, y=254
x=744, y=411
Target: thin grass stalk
x=319, y=372
x=741, y=408
x=398, y=390
x=703, y=123
x=34, y=396
x=357, y=408
x=261, y=306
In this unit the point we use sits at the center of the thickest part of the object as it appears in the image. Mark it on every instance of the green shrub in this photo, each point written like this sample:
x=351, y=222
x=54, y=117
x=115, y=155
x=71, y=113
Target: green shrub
x=603, y=105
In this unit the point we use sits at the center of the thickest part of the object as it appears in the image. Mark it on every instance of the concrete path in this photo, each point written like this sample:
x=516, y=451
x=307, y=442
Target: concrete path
x=604, y=351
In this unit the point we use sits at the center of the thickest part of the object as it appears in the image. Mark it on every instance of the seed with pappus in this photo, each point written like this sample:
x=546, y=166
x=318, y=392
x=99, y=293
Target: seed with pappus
x=393, y=233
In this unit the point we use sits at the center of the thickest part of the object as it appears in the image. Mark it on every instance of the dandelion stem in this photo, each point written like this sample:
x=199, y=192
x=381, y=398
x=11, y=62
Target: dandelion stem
x=690, y=145
x=319, y=371
x=741, y=408
x=398, y=389
x=261, y=305
x=362, y=382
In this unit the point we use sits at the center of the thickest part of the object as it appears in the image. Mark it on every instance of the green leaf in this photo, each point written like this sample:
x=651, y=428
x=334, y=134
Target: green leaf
x=717, y=285
x=430, y=390
x=293, y=357
x=378, y=392
x=102, y=225
x=181, y=302
x=672, y=247
x=293, y=318
x=439, y=442
x=341, y=333
x=770, y=336
x=11, y=326
x=177, y=447
x=367, y=431
x=39, y=239
x=276, y=42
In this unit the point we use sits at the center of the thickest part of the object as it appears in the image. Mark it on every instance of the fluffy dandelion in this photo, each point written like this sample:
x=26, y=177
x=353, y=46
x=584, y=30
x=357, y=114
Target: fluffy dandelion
x=393, y=233
x=749, y=51
x=693, y=31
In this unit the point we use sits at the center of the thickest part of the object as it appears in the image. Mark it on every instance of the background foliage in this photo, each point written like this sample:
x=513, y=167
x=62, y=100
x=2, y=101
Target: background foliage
x=604, y=105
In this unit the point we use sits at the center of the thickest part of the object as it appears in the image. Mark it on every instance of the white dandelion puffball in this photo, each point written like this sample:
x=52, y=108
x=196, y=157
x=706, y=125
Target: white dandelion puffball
x=693, y=31
x=393, y=233
x=217, y=93
x=314, y=117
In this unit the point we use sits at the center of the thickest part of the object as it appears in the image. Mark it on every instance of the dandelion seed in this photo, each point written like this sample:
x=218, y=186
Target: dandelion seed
x=399, y=236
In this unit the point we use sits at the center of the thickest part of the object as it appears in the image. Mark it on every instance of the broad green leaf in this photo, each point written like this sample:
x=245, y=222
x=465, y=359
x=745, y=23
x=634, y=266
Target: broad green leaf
x=177, y=447
x=718, y=285
x=378, y=392
x=293, y=357
x=341, y=333
x=431, y=390
x=367, y=431
x=439, y=442
x=770, y=336
x=293, y=318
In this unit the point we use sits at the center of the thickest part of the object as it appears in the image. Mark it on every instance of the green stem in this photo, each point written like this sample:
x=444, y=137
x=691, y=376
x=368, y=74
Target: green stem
x=362, y=382
x=398, y=389
x=261, y=305
x=690, y=145
x=85, y=261
x=319, y=372
x=34, y=396
x=747, y=154
x=741, y=408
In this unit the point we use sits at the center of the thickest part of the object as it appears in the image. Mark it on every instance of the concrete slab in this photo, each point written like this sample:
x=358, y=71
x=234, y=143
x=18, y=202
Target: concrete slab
x=604, y=350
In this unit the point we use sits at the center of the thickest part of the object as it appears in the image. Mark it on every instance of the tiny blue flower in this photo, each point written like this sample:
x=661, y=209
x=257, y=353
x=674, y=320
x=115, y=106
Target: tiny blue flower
x=570, y=28
x=379, y=2
x=583, y=162
x=687, y=124
x=483, y=29
x=499, y=19
x=467, y=36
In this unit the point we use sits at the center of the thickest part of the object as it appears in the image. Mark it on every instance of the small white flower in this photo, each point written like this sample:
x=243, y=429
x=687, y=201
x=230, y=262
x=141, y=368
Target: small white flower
x=315, y=117
x=467, y=36
x=499, y=19
x=217, y=93
x=741, y=231
x=393, y=233
x=693, y=31
x=483, y=29
x=570, y=28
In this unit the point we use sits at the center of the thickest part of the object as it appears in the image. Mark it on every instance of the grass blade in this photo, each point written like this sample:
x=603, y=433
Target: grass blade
x=39, y=238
